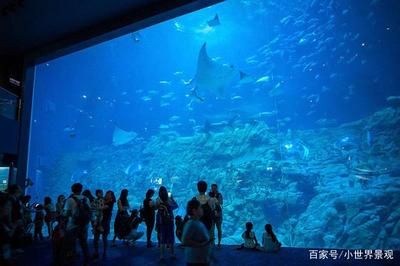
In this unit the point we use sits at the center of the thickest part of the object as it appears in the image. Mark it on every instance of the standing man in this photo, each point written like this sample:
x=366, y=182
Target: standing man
x=78, y=214
x=217, y=213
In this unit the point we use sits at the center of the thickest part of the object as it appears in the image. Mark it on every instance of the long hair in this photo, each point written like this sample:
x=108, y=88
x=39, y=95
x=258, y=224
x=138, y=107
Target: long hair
x=149, y=193
x=59, y=199
x=88, y=195
x=113, y=200
x=268, y=229
x=124, y=197
x=249, y=227
x=163, y=194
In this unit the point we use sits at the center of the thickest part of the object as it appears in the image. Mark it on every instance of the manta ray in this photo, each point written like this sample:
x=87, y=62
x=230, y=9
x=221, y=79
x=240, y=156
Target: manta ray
x=212, y=76
x=121, y=136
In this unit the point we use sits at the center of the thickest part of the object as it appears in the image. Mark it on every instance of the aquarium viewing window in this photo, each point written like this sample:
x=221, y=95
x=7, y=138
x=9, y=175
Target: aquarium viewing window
x=282, y=104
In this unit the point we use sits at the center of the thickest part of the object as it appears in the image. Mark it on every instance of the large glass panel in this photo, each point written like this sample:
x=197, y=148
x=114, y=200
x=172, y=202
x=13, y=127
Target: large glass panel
x=291, y=107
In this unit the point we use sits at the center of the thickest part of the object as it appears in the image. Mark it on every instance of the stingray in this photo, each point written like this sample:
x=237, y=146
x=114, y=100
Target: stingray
x=212, y=76
x=121, y=137
x=214, y=22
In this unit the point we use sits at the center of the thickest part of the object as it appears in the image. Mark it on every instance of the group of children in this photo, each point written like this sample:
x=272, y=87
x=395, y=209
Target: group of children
x=269, y=241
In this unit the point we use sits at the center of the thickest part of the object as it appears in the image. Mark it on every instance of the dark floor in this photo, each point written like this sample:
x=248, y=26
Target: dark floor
x=41, y=254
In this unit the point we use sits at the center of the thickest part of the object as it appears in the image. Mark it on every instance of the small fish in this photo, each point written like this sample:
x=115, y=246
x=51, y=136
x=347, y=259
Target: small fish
x=236, y=97
x=267, y=114
x=84, y=96
x=310, y=112
x=313, y=98
x=69, y=129
x=136, y=36
x=168, y=95
x=146, y=98
x=263, y=79
x=174, y=118
x=184, y=82
x=164, y=126
x=177, y=73
x=179, y=27
x=165, y=82
x=164, y=104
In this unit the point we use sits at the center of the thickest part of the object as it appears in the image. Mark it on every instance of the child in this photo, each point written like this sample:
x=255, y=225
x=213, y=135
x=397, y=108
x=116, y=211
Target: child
x=269, y=241
x=179, y=224
x=250, y=240
x=39, y=221
x=196, y=237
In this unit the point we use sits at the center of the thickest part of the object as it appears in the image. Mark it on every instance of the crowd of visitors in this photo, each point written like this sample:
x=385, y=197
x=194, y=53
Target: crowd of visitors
x=69, y=219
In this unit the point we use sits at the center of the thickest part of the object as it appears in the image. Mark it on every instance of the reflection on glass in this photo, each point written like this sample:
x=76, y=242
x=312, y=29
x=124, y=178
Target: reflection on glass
x=8, y=104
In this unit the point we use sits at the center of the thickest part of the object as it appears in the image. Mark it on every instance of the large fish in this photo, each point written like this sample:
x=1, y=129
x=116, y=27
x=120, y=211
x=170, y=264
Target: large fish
x=212, y=76
x=121, y=136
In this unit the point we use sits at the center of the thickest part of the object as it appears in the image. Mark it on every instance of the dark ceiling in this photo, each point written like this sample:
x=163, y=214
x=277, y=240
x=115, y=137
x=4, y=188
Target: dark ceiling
x=40, y=28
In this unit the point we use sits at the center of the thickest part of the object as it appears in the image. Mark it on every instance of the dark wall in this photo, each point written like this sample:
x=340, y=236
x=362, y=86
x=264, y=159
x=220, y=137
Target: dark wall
x=9, y=131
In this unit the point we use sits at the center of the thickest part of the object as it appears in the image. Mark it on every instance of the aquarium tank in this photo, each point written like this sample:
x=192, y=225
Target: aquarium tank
x=291, y=107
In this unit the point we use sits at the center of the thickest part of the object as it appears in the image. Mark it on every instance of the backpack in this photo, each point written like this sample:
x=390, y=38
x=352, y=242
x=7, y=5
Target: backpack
x=207, y=217
x=83, y=213
x=164, y=215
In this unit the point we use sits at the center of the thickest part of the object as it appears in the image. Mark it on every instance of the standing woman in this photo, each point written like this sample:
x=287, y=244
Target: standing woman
x=50, y=216
x=60, y=206
x=122, y=215
x=109, y=201
x=165, y=221
x=149, y=215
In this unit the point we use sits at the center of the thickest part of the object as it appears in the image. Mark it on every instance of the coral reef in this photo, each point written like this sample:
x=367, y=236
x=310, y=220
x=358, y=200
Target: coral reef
x=328, y=187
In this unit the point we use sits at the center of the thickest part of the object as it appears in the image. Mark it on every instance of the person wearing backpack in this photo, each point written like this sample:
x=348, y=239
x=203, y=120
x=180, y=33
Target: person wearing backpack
x=208, y=206
x=217, y=213
x=77, y=212
x=165, y=205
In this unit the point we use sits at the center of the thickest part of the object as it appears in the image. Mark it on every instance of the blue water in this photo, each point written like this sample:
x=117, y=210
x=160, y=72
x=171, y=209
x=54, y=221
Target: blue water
x=313, y=68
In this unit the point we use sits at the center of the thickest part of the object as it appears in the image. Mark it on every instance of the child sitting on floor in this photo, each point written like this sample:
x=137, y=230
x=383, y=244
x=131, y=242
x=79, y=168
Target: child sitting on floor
x=250, y=240
x=269, y=241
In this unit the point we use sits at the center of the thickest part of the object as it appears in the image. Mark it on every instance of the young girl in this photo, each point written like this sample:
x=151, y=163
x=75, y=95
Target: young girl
x=250, y=240
x=269, y=241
